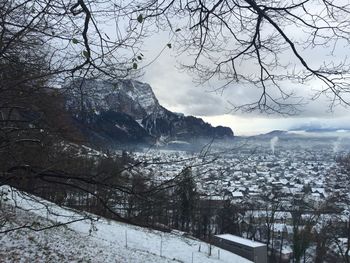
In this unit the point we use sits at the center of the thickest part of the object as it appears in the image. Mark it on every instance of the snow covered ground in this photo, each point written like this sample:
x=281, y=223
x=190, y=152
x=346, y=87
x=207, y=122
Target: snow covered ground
x=89, y=240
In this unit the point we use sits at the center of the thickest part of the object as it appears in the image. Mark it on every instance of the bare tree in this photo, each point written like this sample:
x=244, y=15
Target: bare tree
x=42, y=43
x=267, y=45
x=79, y=37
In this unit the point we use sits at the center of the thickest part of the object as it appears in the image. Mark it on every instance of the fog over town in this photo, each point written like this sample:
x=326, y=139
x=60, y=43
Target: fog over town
x=268, y=178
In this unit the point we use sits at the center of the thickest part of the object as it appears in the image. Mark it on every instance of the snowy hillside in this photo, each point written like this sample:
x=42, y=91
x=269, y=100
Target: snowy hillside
x=89, y=238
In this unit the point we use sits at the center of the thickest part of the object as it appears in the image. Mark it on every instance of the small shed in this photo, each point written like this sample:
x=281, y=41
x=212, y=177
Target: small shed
x=249, y=249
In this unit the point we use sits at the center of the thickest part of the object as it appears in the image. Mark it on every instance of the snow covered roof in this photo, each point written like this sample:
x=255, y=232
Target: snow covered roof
x=241, y=240
x=237, y=194
x=318, y=190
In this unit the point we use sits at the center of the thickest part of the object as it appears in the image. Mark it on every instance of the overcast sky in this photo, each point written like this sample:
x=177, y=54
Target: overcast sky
x=177, y=92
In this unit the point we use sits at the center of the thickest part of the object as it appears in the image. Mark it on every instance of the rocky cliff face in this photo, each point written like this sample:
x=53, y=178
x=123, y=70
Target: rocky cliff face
x=128, y=110
x=128, y=96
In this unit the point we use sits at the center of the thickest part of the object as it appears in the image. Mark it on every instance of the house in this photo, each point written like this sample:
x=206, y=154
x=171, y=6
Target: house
x=249, y=249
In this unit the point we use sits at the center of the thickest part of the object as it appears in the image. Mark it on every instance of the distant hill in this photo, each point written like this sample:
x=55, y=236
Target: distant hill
x=320, y=128
x=270, y=135
x=302, y=134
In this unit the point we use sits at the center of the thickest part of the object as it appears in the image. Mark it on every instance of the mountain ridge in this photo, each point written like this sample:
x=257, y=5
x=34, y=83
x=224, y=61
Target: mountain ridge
x=128, y=111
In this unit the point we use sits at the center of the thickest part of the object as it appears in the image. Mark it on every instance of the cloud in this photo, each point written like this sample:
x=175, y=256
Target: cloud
x=176, y=90
x=243, y=125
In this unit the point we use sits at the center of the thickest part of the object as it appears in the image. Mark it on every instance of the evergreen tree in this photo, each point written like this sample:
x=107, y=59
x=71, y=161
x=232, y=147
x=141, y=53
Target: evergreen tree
x=186, y=196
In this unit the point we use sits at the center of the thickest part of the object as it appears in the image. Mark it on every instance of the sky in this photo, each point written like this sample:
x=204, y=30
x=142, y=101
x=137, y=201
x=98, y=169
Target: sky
x=177, y=91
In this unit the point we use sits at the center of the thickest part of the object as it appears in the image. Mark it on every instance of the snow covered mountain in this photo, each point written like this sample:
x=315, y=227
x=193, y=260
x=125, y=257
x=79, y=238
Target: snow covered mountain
x=128, y=111
x=128, y=96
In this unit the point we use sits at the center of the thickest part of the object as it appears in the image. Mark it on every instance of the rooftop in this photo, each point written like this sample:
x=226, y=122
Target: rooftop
x=241, y=240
